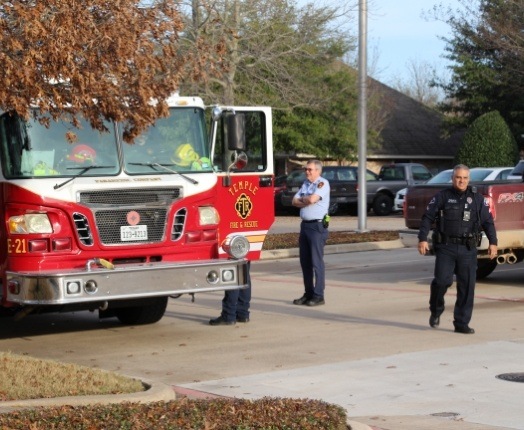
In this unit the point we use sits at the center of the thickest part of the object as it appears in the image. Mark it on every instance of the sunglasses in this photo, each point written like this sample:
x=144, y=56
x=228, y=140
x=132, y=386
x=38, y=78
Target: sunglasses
x=308, y=169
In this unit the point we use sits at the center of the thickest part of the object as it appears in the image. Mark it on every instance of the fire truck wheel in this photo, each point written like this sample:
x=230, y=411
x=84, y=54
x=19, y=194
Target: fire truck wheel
x=146, y=314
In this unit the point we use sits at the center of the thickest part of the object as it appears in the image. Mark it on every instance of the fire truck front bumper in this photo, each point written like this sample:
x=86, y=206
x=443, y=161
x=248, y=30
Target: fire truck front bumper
x=100, y=284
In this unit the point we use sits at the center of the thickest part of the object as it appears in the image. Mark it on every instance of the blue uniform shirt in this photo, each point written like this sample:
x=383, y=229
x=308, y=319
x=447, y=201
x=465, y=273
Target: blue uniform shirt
x=321, y=188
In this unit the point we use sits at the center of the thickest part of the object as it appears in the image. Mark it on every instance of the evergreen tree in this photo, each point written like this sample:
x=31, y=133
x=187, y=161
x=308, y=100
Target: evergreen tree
x=486, y=51
x=488, y=142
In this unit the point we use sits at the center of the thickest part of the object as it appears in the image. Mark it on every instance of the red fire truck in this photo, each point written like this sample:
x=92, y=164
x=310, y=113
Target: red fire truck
x=92, y=222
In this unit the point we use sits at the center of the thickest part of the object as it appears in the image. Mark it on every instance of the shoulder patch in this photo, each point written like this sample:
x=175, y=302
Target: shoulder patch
x=320, y=185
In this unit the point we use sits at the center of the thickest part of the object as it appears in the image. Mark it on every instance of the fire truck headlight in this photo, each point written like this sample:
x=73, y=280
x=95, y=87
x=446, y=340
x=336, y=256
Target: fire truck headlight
x=30, y=223
x=236, y=247
x=208, y=215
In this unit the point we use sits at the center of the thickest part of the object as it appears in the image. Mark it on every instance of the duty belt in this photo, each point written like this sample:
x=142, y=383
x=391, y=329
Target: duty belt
x=311, y=220
x=457, y=240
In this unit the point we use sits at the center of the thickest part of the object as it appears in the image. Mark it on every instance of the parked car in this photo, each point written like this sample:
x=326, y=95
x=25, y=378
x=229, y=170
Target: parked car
x=279, y=186
x=417, y=196
x=392, y=178
x=343, y=181
x=517, y=171
x=398, y=205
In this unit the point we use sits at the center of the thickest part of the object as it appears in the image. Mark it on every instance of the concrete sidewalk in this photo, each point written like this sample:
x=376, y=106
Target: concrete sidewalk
x=429, y=382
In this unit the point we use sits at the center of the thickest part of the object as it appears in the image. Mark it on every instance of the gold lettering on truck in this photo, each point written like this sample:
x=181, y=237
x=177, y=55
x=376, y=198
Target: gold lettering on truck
x=243, y=206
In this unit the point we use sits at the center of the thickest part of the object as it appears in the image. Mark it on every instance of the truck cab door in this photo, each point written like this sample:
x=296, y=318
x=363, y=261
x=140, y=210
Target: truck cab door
x=242, y=148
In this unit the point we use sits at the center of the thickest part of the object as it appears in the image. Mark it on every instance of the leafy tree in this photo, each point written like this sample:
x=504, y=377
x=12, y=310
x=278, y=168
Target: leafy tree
x=95, y=58
x=290, y=58
x=487, y=50
x=329, y=132
x=488, y=142
x=272, y=50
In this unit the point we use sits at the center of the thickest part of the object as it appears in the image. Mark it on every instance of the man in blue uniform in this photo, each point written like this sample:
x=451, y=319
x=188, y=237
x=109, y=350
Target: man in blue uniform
x=459, y=213
x=313, y=200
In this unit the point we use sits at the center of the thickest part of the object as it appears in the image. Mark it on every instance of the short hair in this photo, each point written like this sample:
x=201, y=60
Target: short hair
x=317, y=163
x=460, y=167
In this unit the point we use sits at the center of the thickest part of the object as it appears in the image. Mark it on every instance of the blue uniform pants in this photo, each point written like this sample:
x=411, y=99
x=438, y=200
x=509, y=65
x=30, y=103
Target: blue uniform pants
x=458, y=260
x=312, y=239
x=235, y=303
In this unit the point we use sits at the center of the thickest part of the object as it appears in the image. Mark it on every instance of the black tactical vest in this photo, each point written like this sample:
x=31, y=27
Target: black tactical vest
x=458, y=216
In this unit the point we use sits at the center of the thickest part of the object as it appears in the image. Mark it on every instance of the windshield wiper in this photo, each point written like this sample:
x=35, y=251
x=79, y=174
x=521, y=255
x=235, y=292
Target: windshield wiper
x=82, y=171
x=167, y=169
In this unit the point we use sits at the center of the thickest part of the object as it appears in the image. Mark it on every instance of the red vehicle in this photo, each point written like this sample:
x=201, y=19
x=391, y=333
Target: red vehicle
x=506, y=203
x=103, y=224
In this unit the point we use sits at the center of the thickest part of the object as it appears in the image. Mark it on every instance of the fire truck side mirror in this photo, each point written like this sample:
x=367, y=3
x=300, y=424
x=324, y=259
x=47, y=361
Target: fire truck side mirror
x=236, y=132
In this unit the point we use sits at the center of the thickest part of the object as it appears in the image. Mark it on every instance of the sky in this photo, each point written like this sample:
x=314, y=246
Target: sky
x=398, y=34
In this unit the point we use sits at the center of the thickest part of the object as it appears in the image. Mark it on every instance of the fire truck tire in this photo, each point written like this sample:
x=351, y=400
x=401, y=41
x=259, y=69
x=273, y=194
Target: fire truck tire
x=147, y=314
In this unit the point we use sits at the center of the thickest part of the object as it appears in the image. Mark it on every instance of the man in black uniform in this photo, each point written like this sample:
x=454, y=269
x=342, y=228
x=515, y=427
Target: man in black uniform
x=459, y=213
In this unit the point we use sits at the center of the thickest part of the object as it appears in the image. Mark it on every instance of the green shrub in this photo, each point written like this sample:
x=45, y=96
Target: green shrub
x=488, y=142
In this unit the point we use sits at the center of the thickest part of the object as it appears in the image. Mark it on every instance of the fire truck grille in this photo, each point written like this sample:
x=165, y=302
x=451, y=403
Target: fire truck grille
x=110, y=221
x=111, y=209
x=131, y=197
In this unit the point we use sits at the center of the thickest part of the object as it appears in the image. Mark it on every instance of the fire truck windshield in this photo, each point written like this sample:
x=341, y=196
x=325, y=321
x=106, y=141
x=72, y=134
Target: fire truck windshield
x=30, y=149
x=174, y=144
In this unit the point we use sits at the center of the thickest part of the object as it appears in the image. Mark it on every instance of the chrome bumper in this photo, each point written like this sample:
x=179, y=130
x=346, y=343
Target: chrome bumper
x=125, y=282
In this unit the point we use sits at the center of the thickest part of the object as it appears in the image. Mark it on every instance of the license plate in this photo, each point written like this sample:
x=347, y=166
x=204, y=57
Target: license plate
x=133, y=232
x=294, y=189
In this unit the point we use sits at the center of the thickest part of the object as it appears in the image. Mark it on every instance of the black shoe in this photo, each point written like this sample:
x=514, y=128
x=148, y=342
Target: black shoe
x=464, y=329
x=315, y=302
x=434, y=321
x=242, y=319
x=220, y=321
x=301, y=301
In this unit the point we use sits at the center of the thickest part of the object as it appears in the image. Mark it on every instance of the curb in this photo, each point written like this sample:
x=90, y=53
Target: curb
x=276, y=254
x=155, y=392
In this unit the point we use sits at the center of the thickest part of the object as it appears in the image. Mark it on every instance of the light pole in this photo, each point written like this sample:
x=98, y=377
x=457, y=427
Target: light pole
x=362, y=114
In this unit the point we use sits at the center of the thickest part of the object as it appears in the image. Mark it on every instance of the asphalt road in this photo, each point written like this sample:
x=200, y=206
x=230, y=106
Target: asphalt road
x=369, y=349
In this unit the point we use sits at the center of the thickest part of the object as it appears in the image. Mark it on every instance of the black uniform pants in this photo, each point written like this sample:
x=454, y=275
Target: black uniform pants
x=458, y=260
x=312, y=239
x=236, y=303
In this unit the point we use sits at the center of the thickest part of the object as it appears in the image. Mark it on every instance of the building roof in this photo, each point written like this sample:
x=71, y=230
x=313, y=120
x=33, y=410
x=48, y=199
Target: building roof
x=411, y=129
